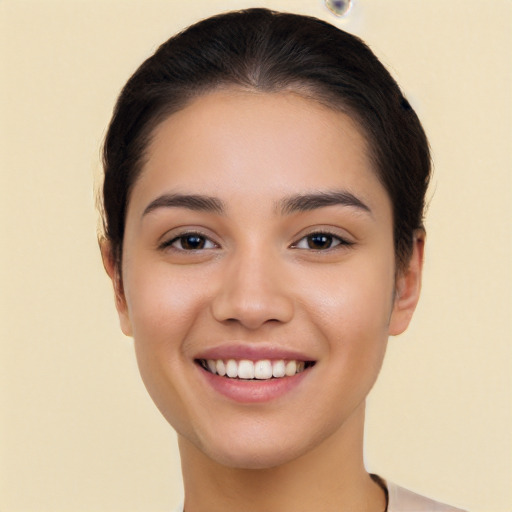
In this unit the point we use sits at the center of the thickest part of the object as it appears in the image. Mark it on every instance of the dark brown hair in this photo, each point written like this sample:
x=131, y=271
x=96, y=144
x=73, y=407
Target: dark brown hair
x=268, y=51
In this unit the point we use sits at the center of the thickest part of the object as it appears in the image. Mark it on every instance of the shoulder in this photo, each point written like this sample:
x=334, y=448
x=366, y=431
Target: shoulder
x=402, y=500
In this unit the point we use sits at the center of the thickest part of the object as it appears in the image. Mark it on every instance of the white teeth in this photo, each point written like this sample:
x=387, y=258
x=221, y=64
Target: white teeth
x=263, y=370
x=290, y=368
x=245, y=369
x=221, y=367
x=211, y=365
x=278, y=369
x=232, y=369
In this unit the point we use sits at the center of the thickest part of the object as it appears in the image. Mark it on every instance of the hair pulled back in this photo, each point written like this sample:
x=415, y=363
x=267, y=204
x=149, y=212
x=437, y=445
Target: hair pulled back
x=268, y=51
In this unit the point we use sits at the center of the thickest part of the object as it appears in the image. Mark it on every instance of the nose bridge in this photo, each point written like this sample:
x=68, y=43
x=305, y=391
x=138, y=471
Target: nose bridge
x=254, y=290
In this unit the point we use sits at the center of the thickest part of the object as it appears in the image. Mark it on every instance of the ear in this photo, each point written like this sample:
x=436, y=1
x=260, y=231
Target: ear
x=408, y=287
x=114, y=272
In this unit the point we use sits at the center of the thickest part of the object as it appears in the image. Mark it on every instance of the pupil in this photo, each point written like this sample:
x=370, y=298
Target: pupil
x=319, y=241
x=192, y=242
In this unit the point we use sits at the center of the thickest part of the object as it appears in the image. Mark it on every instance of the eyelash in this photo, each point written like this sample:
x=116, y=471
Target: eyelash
x=329, y=238
x=190, y=234
x=202, y=240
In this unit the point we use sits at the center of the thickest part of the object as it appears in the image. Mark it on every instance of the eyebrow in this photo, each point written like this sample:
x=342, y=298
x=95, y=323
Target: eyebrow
x=288, y=205
x=190, y=201
x=307, y=202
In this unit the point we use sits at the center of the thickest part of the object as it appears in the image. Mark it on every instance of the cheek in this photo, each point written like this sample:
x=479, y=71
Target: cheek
x=355, y=298
x=163, y=307
x=162, y=304
x=351, y=312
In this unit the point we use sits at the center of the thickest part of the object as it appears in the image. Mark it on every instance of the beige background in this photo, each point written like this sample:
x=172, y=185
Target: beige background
x=77, y=431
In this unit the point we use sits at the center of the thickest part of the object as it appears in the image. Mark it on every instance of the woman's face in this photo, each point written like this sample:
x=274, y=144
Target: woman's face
x=259, y=242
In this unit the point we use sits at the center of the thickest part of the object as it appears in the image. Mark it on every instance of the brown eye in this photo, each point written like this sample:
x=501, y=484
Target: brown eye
x=190, y=242
x=320, y=241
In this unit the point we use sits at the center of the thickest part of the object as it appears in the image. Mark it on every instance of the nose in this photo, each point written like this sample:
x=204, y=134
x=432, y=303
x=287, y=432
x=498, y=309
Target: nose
x=254, y=291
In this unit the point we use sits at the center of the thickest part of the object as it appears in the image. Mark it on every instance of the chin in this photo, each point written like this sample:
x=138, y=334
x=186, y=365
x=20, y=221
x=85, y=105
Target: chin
x=253, y=452
x=253, y=459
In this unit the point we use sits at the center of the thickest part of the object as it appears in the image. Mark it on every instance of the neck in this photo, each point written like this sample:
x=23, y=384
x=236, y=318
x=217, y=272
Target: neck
x=330, y=477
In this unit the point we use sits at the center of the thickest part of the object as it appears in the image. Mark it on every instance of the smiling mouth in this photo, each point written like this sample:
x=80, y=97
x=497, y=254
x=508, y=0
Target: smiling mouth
x=244, y=369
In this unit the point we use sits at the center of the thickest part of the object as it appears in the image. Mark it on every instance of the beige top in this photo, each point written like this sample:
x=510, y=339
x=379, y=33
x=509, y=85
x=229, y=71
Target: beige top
x=402, y=500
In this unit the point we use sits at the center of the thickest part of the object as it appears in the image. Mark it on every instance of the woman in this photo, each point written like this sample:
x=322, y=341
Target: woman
x=263, y=203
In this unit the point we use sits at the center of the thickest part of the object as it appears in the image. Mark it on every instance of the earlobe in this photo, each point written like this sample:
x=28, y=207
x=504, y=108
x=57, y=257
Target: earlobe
x=408, y=287
x=114, y=272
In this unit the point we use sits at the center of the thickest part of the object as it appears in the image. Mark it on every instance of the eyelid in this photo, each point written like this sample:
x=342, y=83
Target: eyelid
x=344, y=241
x=167, y=241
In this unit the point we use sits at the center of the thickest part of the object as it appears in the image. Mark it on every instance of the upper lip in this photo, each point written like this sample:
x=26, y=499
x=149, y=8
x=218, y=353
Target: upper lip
x=254, y=352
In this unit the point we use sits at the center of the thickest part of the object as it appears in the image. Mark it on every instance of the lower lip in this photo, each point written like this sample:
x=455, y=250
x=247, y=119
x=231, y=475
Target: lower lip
x=253, y=391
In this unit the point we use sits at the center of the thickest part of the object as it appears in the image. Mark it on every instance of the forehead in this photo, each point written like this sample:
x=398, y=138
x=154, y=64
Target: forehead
x=234, y=142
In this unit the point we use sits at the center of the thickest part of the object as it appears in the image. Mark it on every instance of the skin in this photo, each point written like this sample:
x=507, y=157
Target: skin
x=257, y=282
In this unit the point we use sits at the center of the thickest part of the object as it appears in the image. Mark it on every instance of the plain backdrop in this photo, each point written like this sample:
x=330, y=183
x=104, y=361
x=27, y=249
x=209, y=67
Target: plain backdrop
x=77, y=430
